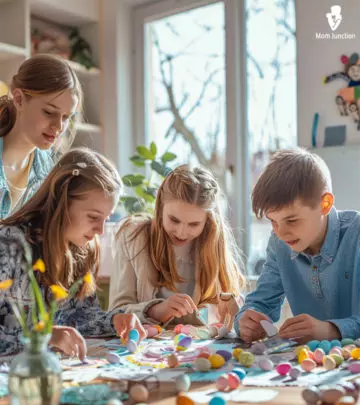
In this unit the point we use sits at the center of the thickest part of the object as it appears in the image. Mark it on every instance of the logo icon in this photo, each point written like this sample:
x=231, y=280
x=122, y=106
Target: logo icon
x=334, y=17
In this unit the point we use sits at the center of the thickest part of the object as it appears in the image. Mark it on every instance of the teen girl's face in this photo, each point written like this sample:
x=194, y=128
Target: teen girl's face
x=88, y=216
x=183, y=222
x=43, y=119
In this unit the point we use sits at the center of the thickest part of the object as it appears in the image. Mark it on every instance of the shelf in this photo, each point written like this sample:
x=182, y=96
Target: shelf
x=8, y=52
x=82, y=71
x=67, y=12
x=89, y=128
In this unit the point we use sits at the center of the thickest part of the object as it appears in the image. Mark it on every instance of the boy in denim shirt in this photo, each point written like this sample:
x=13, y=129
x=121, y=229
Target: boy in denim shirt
x=313, y=254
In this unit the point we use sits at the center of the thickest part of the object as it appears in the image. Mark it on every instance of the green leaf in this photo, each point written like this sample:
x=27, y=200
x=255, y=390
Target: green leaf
x=133, y=204
x=141, y=192
x=161, y=169
x=168, y=157
x=153, y=148
x=137, y=160
x=133, y=180
x=37, y=294
x=145, y=153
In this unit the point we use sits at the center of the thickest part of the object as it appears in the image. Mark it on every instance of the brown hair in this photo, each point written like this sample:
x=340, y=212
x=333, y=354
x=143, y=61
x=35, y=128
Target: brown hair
x=217, y=257
x=41, y=74
x=76, y=173
x=291, y=174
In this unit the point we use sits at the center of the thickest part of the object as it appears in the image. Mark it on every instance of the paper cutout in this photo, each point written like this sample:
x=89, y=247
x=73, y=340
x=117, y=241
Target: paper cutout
x=269, y=328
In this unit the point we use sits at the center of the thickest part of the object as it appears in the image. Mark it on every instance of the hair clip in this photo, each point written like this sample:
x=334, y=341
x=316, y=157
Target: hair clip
x=82, y=165
x=76, y=172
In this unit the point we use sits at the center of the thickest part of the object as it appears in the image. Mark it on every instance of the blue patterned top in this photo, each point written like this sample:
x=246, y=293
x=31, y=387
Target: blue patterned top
x=84, y=315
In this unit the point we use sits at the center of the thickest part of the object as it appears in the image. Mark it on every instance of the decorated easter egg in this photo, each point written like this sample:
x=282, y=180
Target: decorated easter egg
x=213, y=331
x=346, y=353
x=311, y=395
x=224, y=353
x=347, y=341
x=223, y=332
x=336, y=350
x=329, y=363
x=217, y=400
x=134, y=335
x=335, y=343
x=183, y=343
x=240, y=372
x=331, y=395
x=313, y=344
x=308, y=365
x=139, y=393
x=234, y=381
x=222, y=382
x=357, y=342
x=294, y=373
x=354, y=367
x=258, y=348
x=183, y=383
x=325, y=345
x=266, y=364
x=338, y=358
x=202, y=364
x=216, y=360
x=236, y=353
x=299, y=348
x=172, y=361
x=246, y=359
x=318, y=355
x=355, y=353
x=178, y=328
x=131, y=345
x=303, y=354
x=183, y=399
x=283, y=368
x=346, y=400
x=203, y=333
x=178, y=337
x=113, y=358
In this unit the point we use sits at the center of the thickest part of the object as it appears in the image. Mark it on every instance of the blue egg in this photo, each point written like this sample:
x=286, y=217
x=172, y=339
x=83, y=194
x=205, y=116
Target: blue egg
x=134, y=335
x=240, y=372
x=335, y=342
x=113, y=358
x=217, y=400
x=325, y=345
x=313, y=345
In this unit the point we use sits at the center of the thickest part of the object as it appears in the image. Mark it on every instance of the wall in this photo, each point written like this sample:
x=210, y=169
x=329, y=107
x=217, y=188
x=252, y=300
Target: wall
x=318, y=58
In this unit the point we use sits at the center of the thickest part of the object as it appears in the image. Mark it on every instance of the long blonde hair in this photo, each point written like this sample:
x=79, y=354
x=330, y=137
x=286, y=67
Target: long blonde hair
x=218, y=259
x=45, y=216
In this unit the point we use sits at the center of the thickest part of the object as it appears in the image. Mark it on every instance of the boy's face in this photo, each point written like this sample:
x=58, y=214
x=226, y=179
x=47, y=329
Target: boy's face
x=301, y=227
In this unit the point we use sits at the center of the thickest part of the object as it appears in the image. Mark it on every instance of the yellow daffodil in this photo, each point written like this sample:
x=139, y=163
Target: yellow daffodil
x=39, y=327
x=39, y=266
x=59, y=293
x=88, y=278
x=4, y=285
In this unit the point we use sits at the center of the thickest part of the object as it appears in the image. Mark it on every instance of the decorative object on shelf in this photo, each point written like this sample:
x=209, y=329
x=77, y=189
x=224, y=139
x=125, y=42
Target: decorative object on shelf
x=143, y=188
x=4, y=89
x=80, y=49
x=347, y=98
x=50, y=40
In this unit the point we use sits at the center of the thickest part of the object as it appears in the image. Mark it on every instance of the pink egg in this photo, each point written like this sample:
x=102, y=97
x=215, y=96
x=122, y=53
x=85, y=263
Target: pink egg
x=178, y=328
x=186, y=329
x=336, y=350
x=308, y=365
x=234, y=381
x=222, y=382
x=283, y=368
x=354, y=367
x=318, y=355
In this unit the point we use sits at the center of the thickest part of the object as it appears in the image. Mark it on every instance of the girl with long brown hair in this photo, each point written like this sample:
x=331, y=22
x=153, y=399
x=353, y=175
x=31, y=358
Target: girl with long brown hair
x=180, y=259
x=44, y=95
x=61, y=223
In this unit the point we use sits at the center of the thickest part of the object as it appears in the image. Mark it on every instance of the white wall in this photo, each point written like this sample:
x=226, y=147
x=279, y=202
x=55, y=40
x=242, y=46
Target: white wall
x=318, y=58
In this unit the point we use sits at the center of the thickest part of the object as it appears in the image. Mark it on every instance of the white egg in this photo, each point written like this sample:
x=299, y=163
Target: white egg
x=183, y=383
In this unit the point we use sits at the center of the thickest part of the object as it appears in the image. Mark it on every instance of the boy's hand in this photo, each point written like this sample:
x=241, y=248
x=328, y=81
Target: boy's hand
x=308, y=328
x=250, y=327
x=123, y=323
x=69, y=341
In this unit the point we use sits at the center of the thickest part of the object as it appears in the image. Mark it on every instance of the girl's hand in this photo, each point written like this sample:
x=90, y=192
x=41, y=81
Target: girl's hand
x=69, y=341
x=176, y=306
x=123, y=323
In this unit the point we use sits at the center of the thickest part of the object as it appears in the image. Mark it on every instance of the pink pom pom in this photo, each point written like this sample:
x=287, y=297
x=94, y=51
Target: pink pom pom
x=344, y=59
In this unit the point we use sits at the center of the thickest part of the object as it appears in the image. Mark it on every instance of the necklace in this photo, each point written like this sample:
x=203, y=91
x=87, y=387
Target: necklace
x=13, y=167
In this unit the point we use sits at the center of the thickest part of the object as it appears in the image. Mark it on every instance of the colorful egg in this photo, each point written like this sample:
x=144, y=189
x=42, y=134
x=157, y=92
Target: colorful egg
x=246, y=359
x=303, y=354
x=216, y=360
x=311, y=395
x=329, y=363
x=178, y=337
x=346, y=353
x=236, y=353
x=172, y=361
x=325, y=345
x=178, y=328
x=335, y=343
x=183, y=343
x=222, y=382
x=223, y=332
x=203, y=334
x=355, y=353
x=183, y=383
x=313, y=344
x=139, y=393
x=213, y=331
x=347, y=341
x=318, y=355
x=134, y=335
x=202, y=364
x=113, y=358
x=336, y=350
x=132, y=346
x=294, y=373
x=299, y=348
x=308, y=365
x=224, y=353
x=183, y=399
x=354, y=367
x=357, y=342
x=234, y=381
x=283, y=368
x=266, y=364
x=240, y=372
x=338, y=358
x=215, y=400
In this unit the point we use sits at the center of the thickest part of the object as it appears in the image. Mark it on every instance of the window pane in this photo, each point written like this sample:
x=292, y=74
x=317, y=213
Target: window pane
x=271, y=104
x=185, y=86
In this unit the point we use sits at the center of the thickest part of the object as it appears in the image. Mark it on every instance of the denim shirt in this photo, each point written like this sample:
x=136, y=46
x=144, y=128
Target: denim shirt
x=325, y=286
x=42, y=165
x=85, y=315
